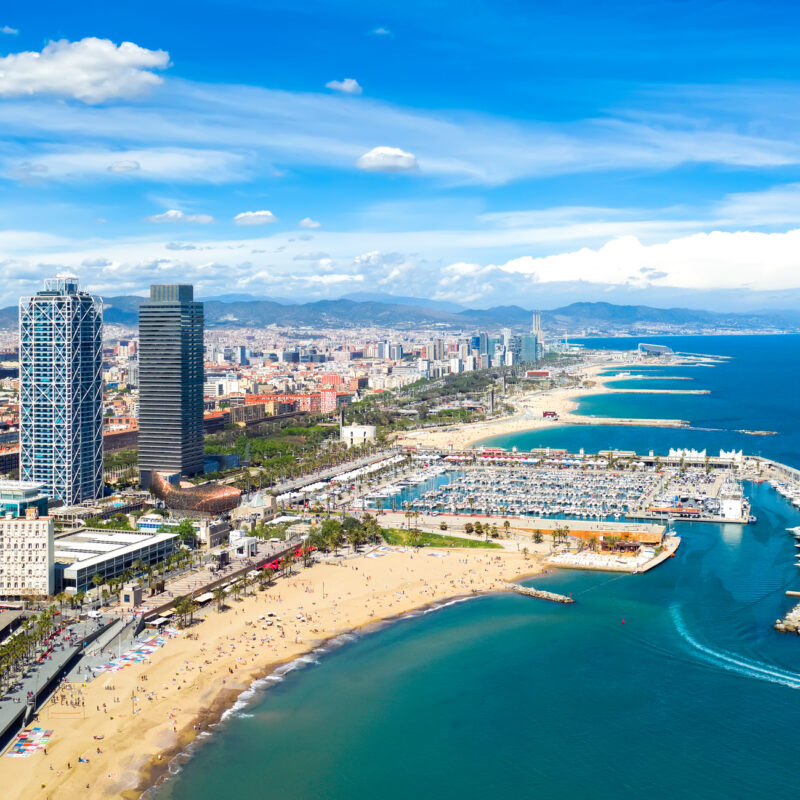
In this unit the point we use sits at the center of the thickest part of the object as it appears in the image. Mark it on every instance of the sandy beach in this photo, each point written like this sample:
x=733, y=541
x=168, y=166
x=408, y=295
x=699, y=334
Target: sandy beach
x=115, y=735
x=531, y=406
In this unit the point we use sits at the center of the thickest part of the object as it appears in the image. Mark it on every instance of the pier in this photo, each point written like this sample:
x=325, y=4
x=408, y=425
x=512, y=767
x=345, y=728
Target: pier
x=541, y=594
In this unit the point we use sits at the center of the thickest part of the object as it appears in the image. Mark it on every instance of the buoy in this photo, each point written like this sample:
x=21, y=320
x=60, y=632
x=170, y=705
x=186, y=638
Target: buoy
x=623, y=621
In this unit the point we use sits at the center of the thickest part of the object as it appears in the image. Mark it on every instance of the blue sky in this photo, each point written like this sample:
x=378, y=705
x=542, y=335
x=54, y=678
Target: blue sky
x=483, y=153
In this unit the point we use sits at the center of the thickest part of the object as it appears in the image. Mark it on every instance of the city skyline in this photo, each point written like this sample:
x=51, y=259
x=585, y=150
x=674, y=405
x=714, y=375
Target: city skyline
x=543, y=170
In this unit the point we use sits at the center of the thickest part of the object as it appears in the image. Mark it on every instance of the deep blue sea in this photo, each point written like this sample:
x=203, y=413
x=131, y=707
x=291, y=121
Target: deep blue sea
x=694, y=696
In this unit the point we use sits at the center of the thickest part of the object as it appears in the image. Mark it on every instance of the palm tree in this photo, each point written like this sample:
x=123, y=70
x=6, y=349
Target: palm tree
x=506, y=526
x=182, y=607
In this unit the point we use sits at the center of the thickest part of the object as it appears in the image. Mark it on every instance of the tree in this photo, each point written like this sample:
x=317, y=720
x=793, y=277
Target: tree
x=478, y=528
x=97, y=580
x=186, y=532
x=506, y=526
x=442, y=526
x=469, y=528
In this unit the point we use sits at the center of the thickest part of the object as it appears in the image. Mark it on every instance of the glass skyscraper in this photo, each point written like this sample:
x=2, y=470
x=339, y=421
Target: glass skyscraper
x=61, y=391
x=170, y=383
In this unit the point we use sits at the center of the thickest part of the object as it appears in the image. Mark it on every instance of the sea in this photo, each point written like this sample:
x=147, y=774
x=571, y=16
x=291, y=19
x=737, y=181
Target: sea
x=670, y=684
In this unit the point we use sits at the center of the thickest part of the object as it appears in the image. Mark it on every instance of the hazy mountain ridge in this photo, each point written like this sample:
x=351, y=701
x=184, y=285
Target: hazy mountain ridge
x=350, y=313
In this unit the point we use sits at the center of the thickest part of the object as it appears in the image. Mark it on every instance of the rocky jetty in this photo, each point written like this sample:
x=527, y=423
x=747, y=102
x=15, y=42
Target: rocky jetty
x=529, y=591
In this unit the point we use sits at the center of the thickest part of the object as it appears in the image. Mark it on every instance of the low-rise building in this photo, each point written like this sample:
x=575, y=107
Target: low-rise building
x=354, y=435
x=18, y=496
x=26, y=555
x=107, y=553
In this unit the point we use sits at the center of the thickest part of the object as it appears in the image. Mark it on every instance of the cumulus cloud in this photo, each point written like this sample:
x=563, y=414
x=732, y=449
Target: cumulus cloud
x=717, y=259
x=91, y=70
x=382, y=31
x=124, y=166
x=96, y=262
x=174, y=215
x=9, y=30
x=255, y=218
x=310, y=256
x=347, y=86
x=180, y=246
x=387, y=159
x=307, y=222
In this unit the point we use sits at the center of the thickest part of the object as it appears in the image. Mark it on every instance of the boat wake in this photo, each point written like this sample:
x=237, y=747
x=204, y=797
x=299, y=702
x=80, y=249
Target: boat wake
x=734, y=663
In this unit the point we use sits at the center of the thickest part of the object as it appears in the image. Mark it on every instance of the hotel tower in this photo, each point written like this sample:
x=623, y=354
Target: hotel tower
x=61, y=391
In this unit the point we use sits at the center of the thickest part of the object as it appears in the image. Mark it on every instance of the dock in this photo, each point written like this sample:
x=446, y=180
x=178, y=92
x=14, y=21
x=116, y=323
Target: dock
x=541, y=594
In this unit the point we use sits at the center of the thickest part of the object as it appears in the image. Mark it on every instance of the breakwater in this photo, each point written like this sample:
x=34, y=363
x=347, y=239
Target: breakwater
x=541, y=594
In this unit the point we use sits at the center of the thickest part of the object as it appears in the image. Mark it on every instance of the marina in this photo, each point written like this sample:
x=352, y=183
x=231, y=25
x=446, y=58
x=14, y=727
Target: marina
x=566, y=486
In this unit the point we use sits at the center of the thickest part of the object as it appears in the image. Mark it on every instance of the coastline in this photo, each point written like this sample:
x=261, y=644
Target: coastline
x=530, y=409
x=190, y=684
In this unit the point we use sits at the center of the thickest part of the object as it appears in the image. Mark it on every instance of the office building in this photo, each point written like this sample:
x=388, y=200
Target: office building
x=26, y=555
x=170, y=383
x=61, y=391
x=528, y=352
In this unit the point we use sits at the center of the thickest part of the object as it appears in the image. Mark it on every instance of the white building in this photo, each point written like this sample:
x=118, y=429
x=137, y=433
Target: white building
x=107, y=553
x=26, y=555
x=354, y=435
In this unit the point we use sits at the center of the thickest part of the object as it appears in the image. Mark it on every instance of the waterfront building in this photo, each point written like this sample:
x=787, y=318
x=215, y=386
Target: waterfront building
x=61, y=391
x=26, y=555
x=16, y=497
x=170, y=383
x=107, y=553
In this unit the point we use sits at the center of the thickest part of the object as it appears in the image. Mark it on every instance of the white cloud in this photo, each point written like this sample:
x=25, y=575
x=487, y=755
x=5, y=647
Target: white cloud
x=310, y=256
x=307, y=222
x=387, y=159
x=180, y=246
x=96, y=262
x=126, y=165
x=260, y=127
x=91, y=70
x=255, y=218
x=174, y=215
x=382, y=31
x=347, y=86
x=9, y=30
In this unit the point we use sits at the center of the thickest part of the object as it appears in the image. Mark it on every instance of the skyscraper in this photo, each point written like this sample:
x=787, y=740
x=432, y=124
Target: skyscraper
x=170, y=383
x=61, y=391
x=528, y=351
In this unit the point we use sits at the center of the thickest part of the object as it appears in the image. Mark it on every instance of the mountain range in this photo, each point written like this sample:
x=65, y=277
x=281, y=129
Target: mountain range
x=409, y=312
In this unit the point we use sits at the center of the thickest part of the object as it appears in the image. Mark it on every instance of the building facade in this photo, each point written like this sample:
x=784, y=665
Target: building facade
x=170, y=383
x=16, y=497
x=26, y=555
x=61, y=391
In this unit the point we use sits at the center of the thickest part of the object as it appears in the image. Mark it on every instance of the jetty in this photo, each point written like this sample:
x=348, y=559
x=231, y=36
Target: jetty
x=529, y=591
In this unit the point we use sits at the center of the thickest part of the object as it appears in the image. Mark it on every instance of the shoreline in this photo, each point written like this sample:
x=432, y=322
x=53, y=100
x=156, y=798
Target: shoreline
x=188, y=686
x=155, y=772
x=530, y=408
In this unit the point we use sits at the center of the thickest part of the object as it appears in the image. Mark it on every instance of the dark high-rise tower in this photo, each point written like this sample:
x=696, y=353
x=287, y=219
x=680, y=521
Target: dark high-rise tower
x=170, y=383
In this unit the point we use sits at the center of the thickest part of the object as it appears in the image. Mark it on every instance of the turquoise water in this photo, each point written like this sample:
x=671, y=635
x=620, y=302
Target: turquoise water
x=757, y=389
x=693, y=696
